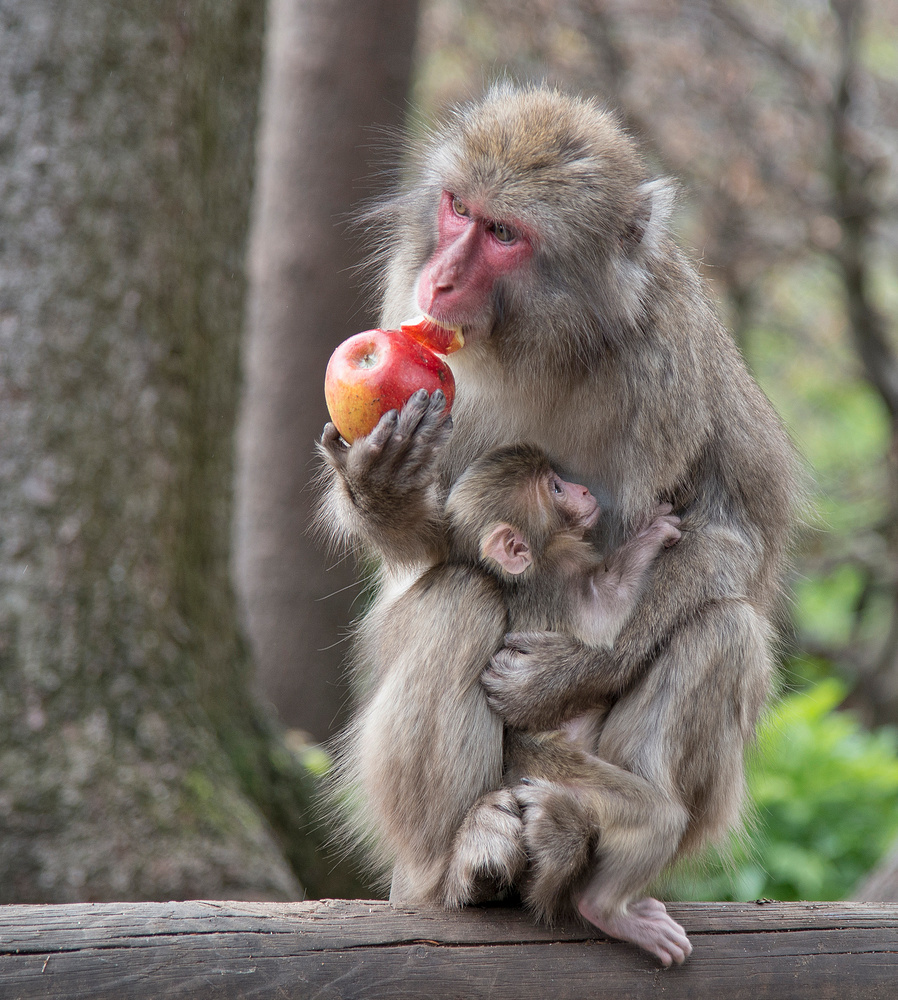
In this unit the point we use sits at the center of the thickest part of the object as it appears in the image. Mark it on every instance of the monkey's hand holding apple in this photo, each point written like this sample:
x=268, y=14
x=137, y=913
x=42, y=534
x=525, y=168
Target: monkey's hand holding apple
x=390, y=398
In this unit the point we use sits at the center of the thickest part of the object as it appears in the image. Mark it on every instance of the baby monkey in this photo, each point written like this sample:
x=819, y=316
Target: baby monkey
x=455, y=806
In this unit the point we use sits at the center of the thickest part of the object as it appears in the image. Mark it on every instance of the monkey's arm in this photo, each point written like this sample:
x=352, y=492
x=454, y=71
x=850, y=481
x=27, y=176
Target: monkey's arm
x=380, y=491
x=614, y=589
x=540, y=679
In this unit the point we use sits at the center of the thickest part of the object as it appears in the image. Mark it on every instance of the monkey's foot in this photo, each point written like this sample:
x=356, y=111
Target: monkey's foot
x=559, y=840
x=645, y=922
x=488, y=852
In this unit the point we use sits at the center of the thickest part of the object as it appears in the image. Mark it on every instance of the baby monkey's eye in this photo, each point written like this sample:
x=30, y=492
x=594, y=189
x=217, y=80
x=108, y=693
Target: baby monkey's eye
x=555, y=486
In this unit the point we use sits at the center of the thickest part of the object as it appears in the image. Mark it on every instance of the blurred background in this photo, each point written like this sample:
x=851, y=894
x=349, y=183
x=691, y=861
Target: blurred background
x=177, y=262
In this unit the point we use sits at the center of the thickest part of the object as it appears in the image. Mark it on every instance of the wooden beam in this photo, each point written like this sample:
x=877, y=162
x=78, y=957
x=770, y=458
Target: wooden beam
x=339, y=949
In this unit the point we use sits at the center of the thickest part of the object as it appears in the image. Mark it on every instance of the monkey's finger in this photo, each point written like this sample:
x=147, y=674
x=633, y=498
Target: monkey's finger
x=413, y=412
x=383, y=431
x=502, y=663
x=330, y=434
x=331, y=439
x=672, y=947
x=436, y=421
x=660, y=526
x=425, y=421
x=498, y=681
x=666, y=528
x=492, y=678
x=366, y=453
x=405, y=438
x=436, y=403
x=515, y=641
x=428, y=429
x=333, y=447
x=525, y=642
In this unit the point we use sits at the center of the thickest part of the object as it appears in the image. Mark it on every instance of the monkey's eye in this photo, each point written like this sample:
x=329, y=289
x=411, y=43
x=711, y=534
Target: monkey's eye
x=556, y=487
x=503, y=233
x=459, y=207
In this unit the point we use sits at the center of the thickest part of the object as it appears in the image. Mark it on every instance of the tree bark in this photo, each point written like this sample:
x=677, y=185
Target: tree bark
x=336, y=77
x=126, y=140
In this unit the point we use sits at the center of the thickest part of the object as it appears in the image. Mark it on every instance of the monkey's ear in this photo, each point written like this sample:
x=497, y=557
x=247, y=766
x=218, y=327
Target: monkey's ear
x=649, y=224
x=508, y=547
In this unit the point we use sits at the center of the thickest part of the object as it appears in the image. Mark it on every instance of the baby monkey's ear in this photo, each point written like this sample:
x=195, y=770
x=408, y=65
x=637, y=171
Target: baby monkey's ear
x=508, y=547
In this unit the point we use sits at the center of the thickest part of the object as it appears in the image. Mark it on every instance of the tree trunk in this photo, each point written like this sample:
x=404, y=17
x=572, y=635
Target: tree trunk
x=127, y=133
x=337, y=73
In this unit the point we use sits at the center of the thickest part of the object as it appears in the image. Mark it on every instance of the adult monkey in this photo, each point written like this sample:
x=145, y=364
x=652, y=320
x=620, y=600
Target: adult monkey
x=534, y=227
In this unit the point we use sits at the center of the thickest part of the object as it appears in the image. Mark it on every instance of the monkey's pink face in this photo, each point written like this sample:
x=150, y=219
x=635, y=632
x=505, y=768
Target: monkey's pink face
x=473, y=251
x=576, y=501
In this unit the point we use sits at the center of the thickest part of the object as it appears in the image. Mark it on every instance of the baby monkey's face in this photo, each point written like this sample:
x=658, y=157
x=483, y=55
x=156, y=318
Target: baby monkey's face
x=576, y=502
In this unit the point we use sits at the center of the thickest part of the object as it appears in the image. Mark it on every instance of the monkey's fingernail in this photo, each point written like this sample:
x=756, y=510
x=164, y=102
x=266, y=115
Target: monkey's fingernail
x=526, y=781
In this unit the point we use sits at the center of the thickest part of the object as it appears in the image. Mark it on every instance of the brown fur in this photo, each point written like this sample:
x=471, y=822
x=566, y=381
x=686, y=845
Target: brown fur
x=459, y=837
x=409, y=810
x=604, y=351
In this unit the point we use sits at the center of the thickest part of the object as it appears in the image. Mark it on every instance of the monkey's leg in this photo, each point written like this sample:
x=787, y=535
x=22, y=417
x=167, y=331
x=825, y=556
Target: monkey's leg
x=488, y=851
x=677, y=741
x=634, y=845
x=560, y=838
x=546, y=773
x=594, y=837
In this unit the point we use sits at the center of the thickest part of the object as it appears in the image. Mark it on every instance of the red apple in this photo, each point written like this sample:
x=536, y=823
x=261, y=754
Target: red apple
x=377, y=371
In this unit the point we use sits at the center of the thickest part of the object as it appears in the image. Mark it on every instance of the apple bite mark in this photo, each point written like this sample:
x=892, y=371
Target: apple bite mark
x=440, y=337
x=377, y=371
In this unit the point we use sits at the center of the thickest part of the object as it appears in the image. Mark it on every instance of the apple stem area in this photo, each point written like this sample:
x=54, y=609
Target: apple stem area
x=367, y=359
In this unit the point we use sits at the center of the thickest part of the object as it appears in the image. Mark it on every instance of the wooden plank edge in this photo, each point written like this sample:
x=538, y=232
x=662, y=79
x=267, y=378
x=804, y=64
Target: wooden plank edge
x=354, y=949
x=347, y=923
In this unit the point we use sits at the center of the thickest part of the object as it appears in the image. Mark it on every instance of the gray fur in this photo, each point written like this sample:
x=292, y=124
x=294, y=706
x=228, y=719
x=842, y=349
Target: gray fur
x=604, y=351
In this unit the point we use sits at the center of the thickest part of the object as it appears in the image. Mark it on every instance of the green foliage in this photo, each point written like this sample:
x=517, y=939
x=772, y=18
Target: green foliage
x=824, y=607
x=825, y=793
x=800, y=351
x=835, y=417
